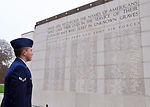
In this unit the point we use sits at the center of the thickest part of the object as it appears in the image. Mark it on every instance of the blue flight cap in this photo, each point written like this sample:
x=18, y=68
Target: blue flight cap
x=21, y=42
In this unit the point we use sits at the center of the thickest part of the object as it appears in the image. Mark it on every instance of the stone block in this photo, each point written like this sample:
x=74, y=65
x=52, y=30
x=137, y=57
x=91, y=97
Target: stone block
x=133, y=101
x=145, y=23
x=100, y=45
x=144, y=9
x=82, y=100
x=100, y=86
x=144, y=1
x=146, y=70
x=147, y=100
x=147, y=87
x=100, y=58
x=146, y=54
x=145, y=38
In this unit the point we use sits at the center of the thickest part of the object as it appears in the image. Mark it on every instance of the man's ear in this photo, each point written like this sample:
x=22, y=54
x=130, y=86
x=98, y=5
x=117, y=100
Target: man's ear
x=24, y=52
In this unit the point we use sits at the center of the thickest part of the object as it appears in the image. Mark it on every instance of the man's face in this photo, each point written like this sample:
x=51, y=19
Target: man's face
x=28, y=54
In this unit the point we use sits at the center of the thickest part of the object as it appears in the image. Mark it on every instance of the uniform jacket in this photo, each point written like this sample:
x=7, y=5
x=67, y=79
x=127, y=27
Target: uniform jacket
x=17, y=85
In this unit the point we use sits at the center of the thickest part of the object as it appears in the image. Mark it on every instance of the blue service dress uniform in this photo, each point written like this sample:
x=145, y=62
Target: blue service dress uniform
x=17, y=85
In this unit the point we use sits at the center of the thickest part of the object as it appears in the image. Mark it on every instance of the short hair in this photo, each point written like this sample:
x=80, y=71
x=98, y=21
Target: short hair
x=19, y=50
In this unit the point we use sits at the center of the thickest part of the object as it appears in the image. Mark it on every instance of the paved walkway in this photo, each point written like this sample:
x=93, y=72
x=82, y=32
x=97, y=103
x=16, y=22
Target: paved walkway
x=1, y=96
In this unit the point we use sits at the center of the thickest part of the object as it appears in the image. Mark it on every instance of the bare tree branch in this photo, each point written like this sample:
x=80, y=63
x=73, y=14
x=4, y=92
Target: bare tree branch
x=6, y=55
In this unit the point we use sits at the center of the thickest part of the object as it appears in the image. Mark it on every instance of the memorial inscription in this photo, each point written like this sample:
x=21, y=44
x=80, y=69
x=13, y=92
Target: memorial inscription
x=73, y=48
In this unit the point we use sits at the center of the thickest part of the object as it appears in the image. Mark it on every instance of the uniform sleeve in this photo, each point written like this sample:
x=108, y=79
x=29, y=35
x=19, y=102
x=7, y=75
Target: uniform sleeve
x=18, y=86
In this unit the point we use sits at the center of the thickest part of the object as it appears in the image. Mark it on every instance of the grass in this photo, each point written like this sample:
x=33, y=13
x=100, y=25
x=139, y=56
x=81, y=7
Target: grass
x=1, y=88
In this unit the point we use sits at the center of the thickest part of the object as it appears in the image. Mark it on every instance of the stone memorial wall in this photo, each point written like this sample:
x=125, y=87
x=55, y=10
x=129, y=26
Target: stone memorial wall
x=97, y=57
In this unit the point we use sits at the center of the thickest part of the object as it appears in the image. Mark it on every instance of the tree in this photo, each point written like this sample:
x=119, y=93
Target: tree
x=6, y=55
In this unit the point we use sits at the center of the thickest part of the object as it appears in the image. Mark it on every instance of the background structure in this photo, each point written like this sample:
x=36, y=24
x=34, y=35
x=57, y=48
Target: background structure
x=96, y=55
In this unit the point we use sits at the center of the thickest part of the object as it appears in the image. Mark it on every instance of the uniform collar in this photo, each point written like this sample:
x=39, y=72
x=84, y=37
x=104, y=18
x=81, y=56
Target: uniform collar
x=22, y=60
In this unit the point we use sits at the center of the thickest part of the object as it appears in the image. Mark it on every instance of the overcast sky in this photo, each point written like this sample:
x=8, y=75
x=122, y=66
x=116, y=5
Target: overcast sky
x=19, y=16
